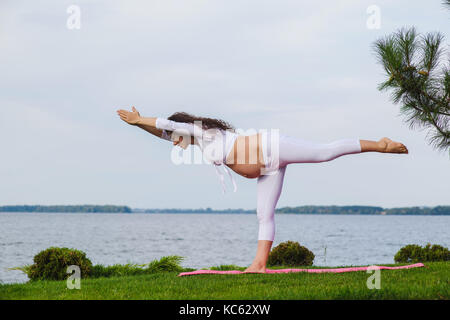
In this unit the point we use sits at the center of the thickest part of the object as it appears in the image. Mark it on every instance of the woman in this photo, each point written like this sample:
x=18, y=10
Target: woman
x=253, y=157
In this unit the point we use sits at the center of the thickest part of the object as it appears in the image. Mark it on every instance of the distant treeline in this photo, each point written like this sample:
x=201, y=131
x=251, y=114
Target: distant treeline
x=64, y=209
x=332, y=210
x=439, y=210
x=202, y=210
x=364, y=210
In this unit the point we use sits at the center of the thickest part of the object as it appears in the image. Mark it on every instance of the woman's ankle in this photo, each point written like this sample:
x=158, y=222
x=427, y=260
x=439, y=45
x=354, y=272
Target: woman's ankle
x=372, y=146
x=259, y=268
x=258, y=264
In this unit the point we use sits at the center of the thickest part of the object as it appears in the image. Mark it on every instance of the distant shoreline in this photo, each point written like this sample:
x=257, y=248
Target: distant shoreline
x=338, y=210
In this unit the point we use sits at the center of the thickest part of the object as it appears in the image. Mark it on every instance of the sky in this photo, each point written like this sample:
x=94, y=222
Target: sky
x=306, y=68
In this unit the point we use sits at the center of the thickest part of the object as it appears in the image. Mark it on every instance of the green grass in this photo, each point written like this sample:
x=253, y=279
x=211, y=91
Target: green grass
x=431, y=282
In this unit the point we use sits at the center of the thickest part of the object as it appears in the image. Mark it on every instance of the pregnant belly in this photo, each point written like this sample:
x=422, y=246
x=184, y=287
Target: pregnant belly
x=246, y=158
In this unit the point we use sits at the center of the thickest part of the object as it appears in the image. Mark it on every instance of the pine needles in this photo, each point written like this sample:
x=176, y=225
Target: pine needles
x=419, y=80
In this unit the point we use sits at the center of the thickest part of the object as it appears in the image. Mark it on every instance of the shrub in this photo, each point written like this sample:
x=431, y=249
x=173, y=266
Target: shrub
x=436, y=253
x=415, y=253
x=52, y=263
x=290, y=253
x=409, y=253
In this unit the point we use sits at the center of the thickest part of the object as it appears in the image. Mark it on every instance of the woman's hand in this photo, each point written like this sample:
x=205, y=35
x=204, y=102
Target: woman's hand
x=129, y=117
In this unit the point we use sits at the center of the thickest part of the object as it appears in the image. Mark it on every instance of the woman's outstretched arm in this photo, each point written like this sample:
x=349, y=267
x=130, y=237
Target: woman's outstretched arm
x=147, y=124
x=161, y=124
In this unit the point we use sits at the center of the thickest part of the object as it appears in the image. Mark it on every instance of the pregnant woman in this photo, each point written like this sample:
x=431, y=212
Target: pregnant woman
x=262, y=155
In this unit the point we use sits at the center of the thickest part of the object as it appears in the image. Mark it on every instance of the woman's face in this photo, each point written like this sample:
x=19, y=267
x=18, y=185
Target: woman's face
x=180, y=142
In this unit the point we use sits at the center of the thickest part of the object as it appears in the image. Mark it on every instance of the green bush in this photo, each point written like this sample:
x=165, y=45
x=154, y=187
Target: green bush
x=52, y=263
x=291, y=254
x=415, y=253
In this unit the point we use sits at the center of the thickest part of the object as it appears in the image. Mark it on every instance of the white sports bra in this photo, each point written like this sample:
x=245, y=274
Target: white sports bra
x=215, y=144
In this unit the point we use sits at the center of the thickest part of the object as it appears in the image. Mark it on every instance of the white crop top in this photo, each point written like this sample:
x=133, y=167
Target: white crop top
x=215, y=144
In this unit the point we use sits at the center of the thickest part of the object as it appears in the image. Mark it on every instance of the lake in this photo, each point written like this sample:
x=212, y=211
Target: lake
x=207, y=240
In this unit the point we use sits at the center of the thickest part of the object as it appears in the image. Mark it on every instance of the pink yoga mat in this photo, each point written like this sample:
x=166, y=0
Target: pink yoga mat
x=336, y=270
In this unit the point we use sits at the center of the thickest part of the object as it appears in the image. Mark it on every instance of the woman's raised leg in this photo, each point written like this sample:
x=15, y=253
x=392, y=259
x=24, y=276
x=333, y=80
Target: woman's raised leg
x=295, y=150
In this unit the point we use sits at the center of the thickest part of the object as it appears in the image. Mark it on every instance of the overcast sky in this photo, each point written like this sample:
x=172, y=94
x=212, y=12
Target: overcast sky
x=304, y=67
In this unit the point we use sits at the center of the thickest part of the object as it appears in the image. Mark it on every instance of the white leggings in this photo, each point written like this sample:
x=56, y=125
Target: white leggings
x=291, y=150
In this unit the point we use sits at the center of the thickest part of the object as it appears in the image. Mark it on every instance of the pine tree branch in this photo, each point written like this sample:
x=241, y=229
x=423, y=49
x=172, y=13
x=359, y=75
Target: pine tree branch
x=423, y=95
x=437, y=101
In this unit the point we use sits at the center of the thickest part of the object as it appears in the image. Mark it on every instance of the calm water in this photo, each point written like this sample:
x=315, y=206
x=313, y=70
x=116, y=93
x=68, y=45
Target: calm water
x=209, y=239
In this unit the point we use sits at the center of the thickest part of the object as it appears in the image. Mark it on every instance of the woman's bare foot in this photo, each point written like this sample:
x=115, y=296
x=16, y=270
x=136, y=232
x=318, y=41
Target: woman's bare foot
x=255, y=268
x=262, y=254
x=389, y=146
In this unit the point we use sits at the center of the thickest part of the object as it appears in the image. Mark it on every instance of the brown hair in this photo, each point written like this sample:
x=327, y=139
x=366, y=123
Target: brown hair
x=207, y=123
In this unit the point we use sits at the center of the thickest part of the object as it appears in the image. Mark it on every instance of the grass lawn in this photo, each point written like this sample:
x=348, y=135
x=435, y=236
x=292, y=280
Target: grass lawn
x=431, y=282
